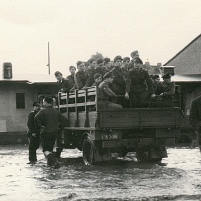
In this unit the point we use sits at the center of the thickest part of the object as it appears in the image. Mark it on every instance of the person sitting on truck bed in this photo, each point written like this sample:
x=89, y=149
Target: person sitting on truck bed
x=64, y=84
x=137, y=83
x=81, y=76
x=97, y=79
x=166, y=89
x=105, y=92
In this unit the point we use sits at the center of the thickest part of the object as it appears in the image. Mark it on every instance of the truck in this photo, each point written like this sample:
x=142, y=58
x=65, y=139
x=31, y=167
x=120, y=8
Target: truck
x=102, y=133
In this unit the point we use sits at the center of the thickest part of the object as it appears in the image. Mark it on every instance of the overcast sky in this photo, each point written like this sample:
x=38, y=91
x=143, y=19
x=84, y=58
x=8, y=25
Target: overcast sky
x=77, y=29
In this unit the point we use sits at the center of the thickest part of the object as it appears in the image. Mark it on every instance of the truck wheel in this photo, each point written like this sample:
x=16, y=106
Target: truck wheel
x=88, y=151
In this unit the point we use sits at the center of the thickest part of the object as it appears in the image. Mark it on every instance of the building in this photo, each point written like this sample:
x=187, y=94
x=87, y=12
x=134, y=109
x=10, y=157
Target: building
x=188, y=60
x=17, y=94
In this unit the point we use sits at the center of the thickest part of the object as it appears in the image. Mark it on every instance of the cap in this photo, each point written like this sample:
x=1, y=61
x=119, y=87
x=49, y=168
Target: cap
x=155, y=76
x=166, y=76
x=118, y=58
x=134, y=53
x=99, y=61
x=126, y=59
x=106, y=60
x=79, y=62
x=97, y=75
x=36, y=103
x=90, y=60
x=107, y=75
x=138, y=61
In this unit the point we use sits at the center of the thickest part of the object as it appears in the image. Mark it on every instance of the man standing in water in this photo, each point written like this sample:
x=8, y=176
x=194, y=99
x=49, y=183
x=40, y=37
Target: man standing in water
x=195, y=117
x=49, y=120
x=33, y=133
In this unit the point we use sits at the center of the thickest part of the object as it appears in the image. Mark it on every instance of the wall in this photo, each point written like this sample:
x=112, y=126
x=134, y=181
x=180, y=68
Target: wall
x=12, y=119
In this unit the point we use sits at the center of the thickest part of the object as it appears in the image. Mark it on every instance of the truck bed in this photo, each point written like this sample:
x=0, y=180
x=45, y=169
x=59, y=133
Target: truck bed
x=140, y=118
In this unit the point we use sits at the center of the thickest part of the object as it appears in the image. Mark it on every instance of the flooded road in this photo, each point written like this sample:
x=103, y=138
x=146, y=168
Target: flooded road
x=177, y=177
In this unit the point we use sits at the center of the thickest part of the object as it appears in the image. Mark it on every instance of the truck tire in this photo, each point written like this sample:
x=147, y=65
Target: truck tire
x=88, y=151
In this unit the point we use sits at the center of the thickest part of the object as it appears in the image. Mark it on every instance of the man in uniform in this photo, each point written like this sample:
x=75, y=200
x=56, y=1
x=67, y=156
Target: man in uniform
x=72, y=70
x=119, y=84
x=33, y=133
x=91, y=71
x=48, y=121
x=81, y=76
x=134, y=55
x=195, y=117
x=155, y=80
x=97, y=79
x=107, y=64
x=166, y=89
x=105, y=92
x=124, y=68
x=100, y=68
x=137, y=83
x=64, y=84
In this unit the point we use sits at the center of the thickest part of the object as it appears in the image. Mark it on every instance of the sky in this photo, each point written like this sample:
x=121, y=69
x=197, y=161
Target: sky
x=77, y=29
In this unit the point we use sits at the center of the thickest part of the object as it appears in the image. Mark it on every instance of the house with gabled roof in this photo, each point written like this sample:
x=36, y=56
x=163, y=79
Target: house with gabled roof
x=188, y=60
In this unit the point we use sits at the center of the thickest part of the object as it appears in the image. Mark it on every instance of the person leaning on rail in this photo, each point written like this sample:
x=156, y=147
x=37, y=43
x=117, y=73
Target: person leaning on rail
x=166, y=89
x=104, y=92
x=64, y=83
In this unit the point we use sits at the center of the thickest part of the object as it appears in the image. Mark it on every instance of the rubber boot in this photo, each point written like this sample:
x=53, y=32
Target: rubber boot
x=32, y=156
x=52, y=161
x=57, y=154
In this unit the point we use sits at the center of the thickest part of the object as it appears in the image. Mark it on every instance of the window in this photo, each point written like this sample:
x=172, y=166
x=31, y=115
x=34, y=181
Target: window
x=20, y=100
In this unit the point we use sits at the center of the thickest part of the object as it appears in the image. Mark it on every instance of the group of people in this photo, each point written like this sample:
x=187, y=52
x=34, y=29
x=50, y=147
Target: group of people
x=43, y=125
x=125, y=79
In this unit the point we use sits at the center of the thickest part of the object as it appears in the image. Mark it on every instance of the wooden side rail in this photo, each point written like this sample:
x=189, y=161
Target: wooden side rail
x=85, y=98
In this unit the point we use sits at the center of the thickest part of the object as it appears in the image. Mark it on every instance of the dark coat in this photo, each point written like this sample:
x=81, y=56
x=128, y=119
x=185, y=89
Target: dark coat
x=90, y=79
x=71, y=79
x=119, y=84
x=104, y=91
x=51, y=119
x=195, y=112
x=80, y=79
x=65, y=84
x=31, y=123
x=101, y=70
x=138, y=81
x=165, y=88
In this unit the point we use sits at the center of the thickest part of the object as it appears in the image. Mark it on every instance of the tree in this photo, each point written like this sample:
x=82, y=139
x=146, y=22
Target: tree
x=97, y=56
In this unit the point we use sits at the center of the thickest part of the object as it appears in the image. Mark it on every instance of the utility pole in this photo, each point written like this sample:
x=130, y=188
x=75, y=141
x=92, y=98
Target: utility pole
x=48, y=58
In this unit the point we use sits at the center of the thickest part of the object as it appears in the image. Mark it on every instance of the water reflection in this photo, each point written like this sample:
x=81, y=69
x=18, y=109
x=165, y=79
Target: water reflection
x=175, y=178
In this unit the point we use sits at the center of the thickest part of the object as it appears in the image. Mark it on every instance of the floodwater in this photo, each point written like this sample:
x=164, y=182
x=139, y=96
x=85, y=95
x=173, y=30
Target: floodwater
x=177, y=177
